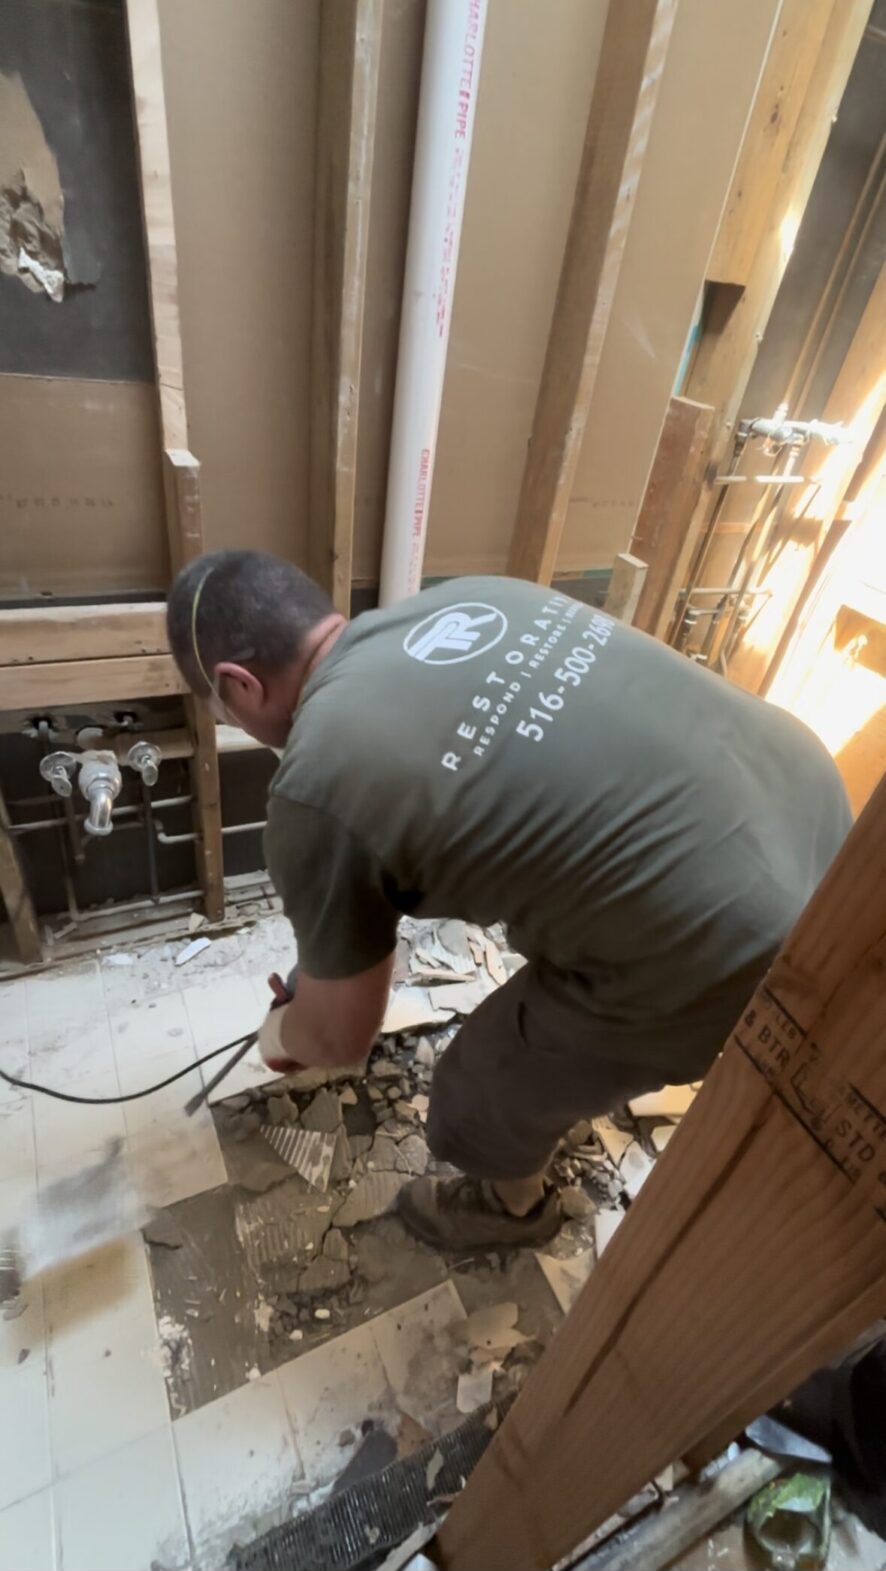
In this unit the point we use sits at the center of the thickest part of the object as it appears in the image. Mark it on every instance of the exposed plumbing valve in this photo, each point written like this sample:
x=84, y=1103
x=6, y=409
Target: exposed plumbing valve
x=144, y=758
x=100, y=782
x=58, y=769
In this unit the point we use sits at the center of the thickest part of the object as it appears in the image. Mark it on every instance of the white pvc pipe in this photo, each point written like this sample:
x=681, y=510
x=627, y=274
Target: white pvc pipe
x=450, y=74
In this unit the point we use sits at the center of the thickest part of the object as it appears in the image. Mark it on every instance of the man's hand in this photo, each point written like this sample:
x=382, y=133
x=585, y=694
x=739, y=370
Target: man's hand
x=270, y=1043
x=331, y=1024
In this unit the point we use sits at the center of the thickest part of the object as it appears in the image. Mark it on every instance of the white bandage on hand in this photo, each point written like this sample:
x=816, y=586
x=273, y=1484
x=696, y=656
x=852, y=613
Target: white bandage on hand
x=270, y=1042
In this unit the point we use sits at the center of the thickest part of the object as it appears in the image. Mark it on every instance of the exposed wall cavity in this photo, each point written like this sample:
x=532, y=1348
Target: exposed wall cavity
x=32, y=204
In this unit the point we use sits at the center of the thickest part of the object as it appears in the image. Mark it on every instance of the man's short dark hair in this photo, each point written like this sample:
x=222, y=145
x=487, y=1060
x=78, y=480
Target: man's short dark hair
x=253, y=608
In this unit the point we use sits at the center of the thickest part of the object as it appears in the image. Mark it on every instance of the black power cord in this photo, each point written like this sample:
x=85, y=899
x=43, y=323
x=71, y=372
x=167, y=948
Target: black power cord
x=64, y=1096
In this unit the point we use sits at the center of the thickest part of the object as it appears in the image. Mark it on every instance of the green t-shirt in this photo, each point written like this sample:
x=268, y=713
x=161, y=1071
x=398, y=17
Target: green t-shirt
x=496, y=751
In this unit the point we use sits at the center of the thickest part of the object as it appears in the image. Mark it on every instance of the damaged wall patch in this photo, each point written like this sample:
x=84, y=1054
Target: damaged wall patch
x=32, y=202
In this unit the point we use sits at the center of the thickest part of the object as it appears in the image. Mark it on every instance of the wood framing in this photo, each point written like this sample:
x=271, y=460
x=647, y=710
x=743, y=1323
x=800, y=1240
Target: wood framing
x=350, y=54
x=755, y=1252
x=625, y=586
x=856, y=401
x=181, y=469
x=19, y=907
x=789, y=69
x=52, y=633
x=730, y=341
x=635, y=44
x=658, y=533
x=57, y=682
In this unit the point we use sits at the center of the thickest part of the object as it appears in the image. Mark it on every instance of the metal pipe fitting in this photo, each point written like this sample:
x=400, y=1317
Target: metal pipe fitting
x=144, y=758
x=100, y=782
x=59, y=769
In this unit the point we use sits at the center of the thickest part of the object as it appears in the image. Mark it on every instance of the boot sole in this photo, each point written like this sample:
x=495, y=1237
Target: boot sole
x=416, y=1225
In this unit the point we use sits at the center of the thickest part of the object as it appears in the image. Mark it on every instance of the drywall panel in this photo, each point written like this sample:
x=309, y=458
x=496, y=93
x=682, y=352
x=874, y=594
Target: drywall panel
x=241, y=104
x=398, y=89
x=710, y=77
x=81, y=493
x=535, y=85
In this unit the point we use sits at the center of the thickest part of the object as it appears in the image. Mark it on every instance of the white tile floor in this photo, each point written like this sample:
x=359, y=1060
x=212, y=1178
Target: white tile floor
x=94, y=1475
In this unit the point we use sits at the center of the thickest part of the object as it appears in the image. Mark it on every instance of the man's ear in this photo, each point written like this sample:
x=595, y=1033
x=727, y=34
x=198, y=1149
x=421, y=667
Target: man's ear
x=249, y=692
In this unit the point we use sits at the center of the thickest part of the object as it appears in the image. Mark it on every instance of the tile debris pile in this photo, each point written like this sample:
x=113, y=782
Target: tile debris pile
x=317, y=1157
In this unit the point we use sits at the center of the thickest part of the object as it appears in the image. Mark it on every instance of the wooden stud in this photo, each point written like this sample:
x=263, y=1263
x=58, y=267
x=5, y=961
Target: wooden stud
x=635, y=44
x=181, y=471
x=20, y=912
x=675, y=477
x=754, y=1253
x=93, y=632
x=59, y=682
x=625, y=587
x=350, y=55
x=796, y=43
x=731, y=339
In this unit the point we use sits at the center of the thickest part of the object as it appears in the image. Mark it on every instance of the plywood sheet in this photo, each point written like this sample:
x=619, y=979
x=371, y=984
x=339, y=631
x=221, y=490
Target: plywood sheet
x=709, y=80
x=241, y=104
x=81, y=500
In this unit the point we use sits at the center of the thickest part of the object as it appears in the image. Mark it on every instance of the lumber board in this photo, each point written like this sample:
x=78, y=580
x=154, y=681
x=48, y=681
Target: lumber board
x=675, y=476
x=625, y=586
x=790, y=64
x=181, y=471
x=146, y=64
x=635, y=44
x=51, y=633
x=20, y=912
x=350, y=55
x=755, y=1252
x=729, y=345
x=59, y=682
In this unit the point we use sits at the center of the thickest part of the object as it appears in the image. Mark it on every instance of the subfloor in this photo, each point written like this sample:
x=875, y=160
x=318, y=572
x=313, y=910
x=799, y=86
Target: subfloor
x=212, y=1373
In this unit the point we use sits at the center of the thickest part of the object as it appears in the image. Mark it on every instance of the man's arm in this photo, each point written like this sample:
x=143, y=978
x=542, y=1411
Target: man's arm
x=329, y=1024
x=333, y=892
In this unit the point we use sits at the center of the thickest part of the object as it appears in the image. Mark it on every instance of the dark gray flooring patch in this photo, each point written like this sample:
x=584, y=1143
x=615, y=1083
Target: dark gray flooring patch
x=355, y=1528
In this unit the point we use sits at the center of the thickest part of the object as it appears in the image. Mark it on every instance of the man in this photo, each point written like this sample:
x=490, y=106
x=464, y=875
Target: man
x=494, y=751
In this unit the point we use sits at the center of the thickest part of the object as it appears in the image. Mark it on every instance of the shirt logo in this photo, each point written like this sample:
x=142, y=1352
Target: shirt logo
x=458, y=632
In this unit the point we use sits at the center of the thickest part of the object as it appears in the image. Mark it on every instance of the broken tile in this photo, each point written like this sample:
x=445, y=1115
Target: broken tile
x=669, y=1102
x=615, y=1141
x=413, y=1155
x=420, y=1103
x=576, y=1204
x=307, y=1151
x=463, y=997
x=662, y=1134
x=493, y=1328
x=383, y=1069
x=372, y=1196
x=494, y=963
x=474, y=1389
x=341, y=1158
x=334, y=1387
x=635, y=1168
x=420, y=1354
x=605, y=1224
x=566, y=1278
x=383, y=1156
x=335, y=1245
x=324, y=1276
x=410, y=1007
x=424, y=1053
x=195, y=947
x=358, y=1145
x=347, y=1096
x=323, y=1114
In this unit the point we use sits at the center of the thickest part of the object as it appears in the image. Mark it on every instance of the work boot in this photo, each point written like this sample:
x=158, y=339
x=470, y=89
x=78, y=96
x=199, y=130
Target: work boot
x=466, y=1213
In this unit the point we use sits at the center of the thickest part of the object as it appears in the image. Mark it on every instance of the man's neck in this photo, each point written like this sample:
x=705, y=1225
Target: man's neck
x=327, y=633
